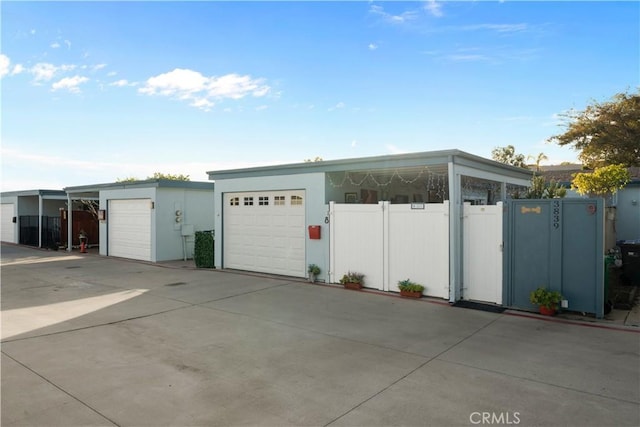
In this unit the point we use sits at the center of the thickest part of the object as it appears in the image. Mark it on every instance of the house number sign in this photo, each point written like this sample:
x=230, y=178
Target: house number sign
x=556, y=214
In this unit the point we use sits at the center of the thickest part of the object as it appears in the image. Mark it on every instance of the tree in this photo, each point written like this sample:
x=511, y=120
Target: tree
x=538, y=159
x=317, y=159
x=541, y=189
x=605, y=133
x=508, y=156
x=602, y=182
x=170, y=177
x=157, y=175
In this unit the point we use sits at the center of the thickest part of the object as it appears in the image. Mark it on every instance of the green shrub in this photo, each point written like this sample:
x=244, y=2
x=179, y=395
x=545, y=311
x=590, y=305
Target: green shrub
x=409, y=286
x=203, y=250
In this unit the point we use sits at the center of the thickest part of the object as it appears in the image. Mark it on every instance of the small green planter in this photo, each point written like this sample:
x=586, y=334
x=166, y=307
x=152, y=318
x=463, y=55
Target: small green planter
x=203, y=250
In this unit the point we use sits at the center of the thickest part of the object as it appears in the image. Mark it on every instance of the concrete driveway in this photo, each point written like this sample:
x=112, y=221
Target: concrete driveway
x=89, y=340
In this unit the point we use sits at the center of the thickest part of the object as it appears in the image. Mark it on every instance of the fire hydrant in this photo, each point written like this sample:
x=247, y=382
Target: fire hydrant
x=83, y=242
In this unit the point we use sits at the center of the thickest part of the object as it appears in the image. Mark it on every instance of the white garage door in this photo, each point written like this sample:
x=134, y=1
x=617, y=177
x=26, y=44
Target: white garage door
x=265, y=232
x=7, y=227
x=129, y=229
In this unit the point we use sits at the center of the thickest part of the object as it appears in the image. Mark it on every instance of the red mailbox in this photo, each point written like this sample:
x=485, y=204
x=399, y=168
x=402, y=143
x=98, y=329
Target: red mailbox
x=314, y=232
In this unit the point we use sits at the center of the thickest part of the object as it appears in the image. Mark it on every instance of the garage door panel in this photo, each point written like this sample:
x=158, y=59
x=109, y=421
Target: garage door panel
x=270, y=237
x=7, y=227
x=129, y=229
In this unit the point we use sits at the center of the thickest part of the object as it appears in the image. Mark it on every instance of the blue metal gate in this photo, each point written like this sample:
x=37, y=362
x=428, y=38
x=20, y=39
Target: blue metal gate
x=555, y=243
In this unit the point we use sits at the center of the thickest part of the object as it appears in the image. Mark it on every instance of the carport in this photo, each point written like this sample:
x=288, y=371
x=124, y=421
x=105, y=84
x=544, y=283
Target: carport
x=32, y=217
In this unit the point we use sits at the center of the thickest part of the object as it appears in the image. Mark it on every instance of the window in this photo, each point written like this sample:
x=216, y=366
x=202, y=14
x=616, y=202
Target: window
x=296, y=200
x=278, y=200
x=248, y=201
x=234, y=201
x=263, y=201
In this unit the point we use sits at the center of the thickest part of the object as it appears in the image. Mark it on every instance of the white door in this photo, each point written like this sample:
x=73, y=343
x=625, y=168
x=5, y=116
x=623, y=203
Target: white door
x=482, y=253
x=7, y=227
x=265, y=232
x=129, y=228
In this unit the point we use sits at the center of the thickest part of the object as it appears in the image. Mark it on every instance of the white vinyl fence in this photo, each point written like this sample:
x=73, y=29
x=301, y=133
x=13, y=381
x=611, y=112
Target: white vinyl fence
x=388, y=243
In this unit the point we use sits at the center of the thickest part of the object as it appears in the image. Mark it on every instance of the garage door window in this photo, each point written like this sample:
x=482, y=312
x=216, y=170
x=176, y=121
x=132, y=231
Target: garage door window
x=263, y=201
x=234, y=201
x=296, y=200
x=248, y=201
x=279, y=200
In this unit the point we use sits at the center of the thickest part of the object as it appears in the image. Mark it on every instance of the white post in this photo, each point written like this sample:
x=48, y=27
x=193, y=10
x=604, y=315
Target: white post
x=40, y=220
x=69, y=222
x=454, y=233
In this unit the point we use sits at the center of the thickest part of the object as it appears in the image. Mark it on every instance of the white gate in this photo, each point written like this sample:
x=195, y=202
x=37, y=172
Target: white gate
x=482, y=253
x=356, y=242
x=389, y=243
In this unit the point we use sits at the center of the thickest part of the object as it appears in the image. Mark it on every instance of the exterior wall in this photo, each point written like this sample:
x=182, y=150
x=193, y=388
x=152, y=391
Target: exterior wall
x=27, y=205
x=130, y=193
x=628, y=213
x=196, y=207
x=51, y=207
x=316, y=210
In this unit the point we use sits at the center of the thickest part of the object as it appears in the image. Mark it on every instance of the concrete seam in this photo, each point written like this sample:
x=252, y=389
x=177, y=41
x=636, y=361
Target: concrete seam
x=540, y=382
x=410, y=372
x=61, y=389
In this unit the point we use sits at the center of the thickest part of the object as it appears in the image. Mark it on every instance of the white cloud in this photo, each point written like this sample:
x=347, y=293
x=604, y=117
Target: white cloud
x=434, y=8
x=68, y=44
x=112, y=73
x=55, y=45
x=5, y=67
x=236, y=87
x=354, y=143
x=43, y=71
x=394, y=150
x=373, y=46
x=338, y=106
x=393, y=19
x=261, y=107
x=500, y=28
x=5, y=62
x=98, y=67
x=202, y=103
x=122, y=83
x=467, y=57
x=189, y=85
x=70, y=83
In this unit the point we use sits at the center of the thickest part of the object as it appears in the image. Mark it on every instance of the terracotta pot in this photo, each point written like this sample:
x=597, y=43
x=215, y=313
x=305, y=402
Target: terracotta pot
x=411, y=294
x=547, y=311
x=354, y=286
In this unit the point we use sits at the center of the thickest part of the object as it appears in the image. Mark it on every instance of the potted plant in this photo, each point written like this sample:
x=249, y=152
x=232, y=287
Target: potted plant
x=353, y=280
x=546, y=299
x=410, y=289
x=314, y=271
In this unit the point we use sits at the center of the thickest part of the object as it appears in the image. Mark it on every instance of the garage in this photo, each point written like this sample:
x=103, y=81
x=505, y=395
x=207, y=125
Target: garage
x=129, y=228
x=7, y=226
x=265, y=232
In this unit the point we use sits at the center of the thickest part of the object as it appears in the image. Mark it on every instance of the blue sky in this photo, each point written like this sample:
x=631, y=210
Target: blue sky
x=95, y=91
